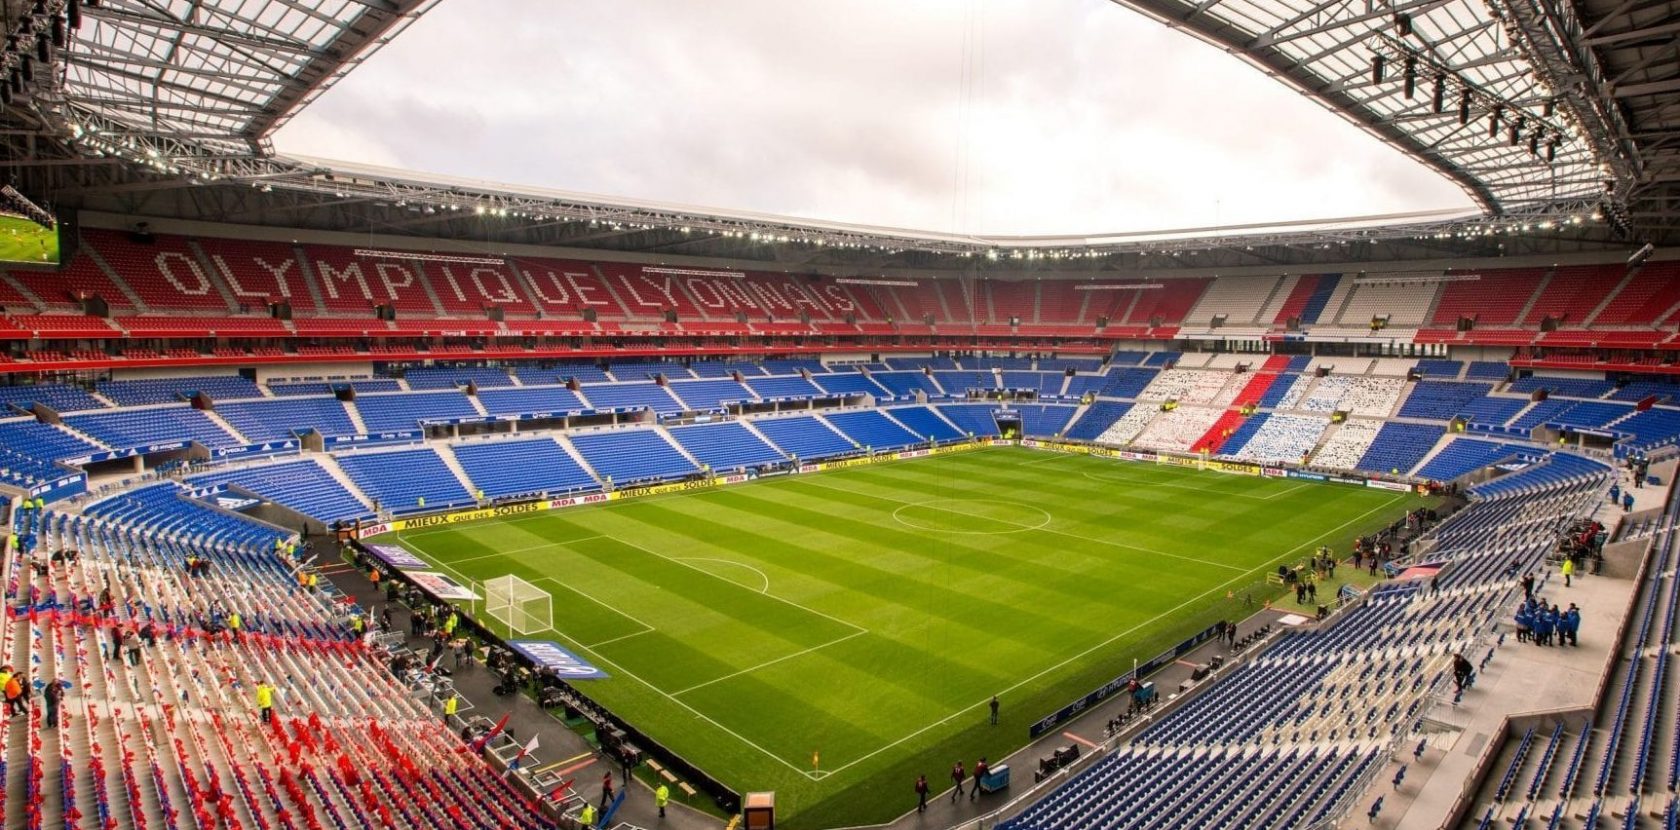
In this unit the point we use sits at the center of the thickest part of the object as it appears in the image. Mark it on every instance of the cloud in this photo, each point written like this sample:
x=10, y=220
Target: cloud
x=986, y=116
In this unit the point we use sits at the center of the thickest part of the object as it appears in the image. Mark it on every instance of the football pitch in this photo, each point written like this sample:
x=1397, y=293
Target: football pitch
x=829, y=636
x=24, y=241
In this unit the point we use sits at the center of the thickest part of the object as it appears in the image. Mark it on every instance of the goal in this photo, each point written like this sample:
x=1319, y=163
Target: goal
x=522, y=607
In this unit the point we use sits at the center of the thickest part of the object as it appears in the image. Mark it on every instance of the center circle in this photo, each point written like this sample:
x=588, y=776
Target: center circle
x=977, y=517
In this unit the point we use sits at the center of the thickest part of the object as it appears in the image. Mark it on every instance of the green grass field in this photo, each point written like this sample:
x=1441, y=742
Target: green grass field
x=869, y=613
x=24, y=241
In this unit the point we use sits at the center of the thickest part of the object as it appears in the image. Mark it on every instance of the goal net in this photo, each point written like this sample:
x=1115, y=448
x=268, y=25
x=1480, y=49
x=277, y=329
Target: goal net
x=522, y=607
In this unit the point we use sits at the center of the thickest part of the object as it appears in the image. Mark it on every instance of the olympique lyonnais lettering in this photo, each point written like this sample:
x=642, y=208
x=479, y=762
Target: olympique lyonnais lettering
x=276, y=270
x=553, y=284
x=566, y=288
x=170, y=263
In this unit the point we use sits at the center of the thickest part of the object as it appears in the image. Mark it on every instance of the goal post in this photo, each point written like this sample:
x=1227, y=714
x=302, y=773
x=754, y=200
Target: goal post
x=522, y=607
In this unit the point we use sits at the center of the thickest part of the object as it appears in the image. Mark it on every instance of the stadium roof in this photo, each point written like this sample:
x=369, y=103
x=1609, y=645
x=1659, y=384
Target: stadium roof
x=221, y=74
x=163, y=107
x=1525, y=103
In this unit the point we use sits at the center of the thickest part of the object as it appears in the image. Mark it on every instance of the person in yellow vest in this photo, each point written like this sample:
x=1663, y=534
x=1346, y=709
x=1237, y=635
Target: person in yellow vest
x=235, y=623
x=14, y=694
x=1568, y=571
x=661, y=797
x=587, y=817
x=420, y=501
x=314, y=582
x=265, y=700
x=450, y=622
x=449, y=707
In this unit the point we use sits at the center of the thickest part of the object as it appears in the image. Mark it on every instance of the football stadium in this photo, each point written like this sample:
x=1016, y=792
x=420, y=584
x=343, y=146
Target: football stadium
x=343, y=495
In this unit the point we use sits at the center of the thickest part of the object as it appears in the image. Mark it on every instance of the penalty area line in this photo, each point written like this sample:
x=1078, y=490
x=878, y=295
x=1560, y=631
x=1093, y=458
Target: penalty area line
x=769, y=663
x=1105, y=643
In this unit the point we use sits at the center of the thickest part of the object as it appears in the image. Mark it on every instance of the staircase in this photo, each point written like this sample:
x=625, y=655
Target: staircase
x=1440, y=444
x=1282, y=287
x=21, y=289
x=847, y=438
x=753, y=428
x=599, y=274
x=133, y=298
x=330, y=464
x=577, y=456
x=1520, y=413
x=1539, y=291
x=676, y=445
x=431, y=292
x=217, y=419
x=307, y=272
x=355, y=418
x=1338, y=300
x=213, y=275
x=1608, y=296
x=447, y=453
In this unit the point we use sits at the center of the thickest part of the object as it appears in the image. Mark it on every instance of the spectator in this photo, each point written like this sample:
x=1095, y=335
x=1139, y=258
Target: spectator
x=13, y=689
x=265, y=701
x=131, y=645
x=1462, y=671
x=52, y=694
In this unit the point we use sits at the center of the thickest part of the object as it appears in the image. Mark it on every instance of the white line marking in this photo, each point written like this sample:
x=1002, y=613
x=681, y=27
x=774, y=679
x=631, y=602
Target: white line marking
x=466, y=580
x=1054, y=456
x=585, y=594
x=1288, y=491
x=627, y=672
x=1151, y=621
x=1115, y=479
x=761, y=575
x=930, y=504
x=1043, y=529
x=768, y=663
x=808, y=610
x=616, y=639
x=512, y=551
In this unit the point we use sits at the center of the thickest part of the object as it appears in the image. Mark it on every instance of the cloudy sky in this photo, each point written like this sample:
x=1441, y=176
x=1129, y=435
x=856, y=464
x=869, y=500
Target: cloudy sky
x=980, y=116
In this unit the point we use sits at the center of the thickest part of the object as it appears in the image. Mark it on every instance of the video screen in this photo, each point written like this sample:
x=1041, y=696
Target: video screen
x=28, y=233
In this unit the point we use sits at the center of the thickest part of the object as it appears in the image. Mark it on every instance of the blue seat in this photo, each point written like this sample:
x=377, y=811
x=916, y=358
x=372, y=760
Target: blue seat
x=507, y=468
x=869, y=428
x=403, y=411
x=133, y=428
x=406, y=480
x=805, y=437
x=726, y=446
x=280, y=419
x=633, y=455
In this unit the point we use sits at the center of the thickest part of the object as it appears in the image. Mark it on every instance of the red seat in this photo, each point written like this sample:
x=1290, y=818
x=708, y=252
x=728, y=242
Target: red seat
x=167, y=273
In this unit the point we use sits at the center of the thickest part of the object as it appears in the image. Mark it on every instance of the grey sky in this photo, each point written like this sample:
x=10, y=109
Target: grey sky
x=1002, y=116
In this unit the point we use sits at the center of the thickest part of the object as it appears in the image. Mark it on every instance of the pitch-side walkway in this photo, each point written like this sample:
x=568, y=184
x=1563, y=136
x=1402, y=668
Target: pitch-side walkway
x=557, y=744
x=1087, y=731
